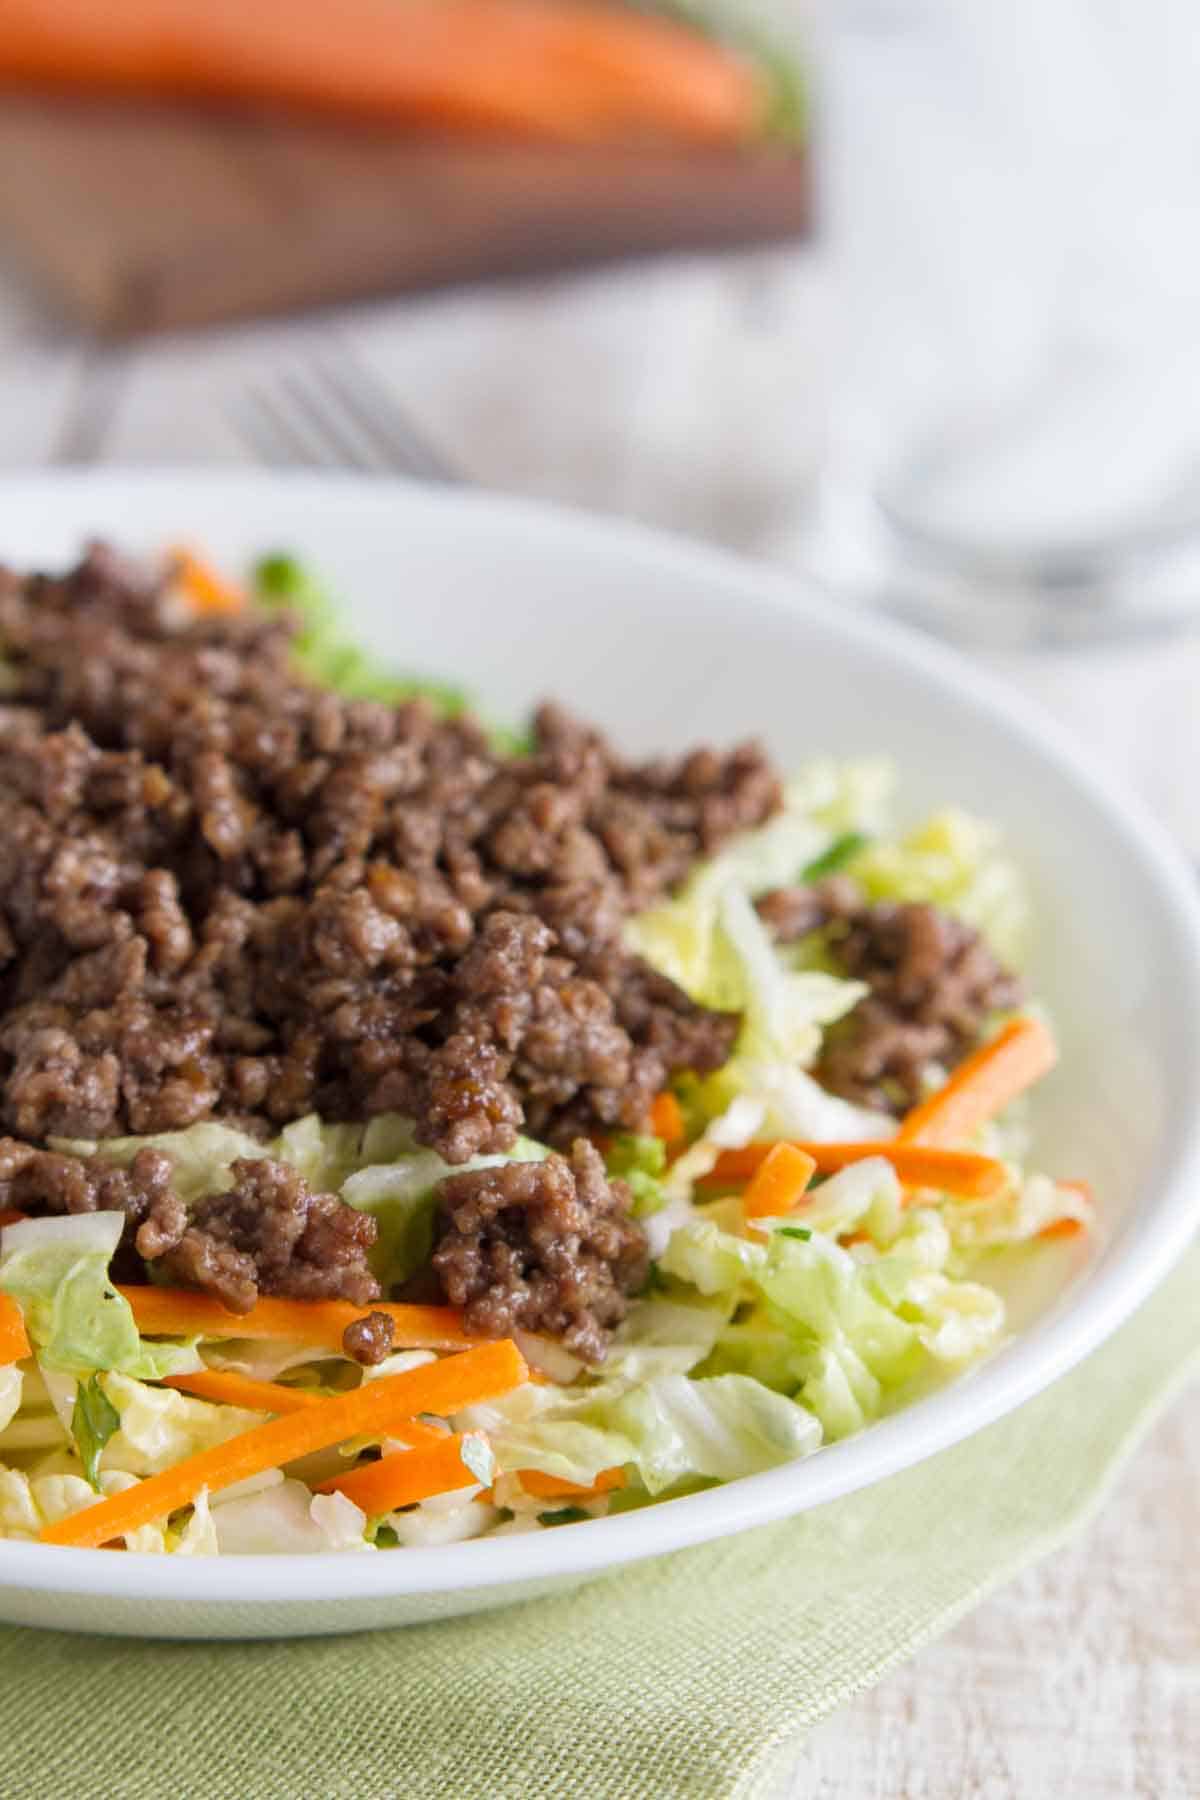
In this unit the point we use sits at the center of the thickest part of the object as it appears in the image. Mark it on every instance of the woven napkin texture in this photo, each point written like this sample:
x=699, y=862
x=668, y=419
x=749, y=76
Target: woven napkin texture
x=681, y=1677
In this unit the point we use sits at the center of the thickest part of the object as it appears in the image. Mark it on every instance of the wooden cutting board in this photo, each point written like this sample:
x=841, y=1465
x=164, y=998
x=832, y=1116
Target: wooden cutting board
x=135, y=219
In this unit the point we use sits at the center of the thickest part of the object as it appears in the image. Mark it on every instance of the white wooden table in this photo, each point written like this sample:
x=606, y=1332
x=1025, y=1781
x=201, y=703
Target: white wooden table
x=687, y=394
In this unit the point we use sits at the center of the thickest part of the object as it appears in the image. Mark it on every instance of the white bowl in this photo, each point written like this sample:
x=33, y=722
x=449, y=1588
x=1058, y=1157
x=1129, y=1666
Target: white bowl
x=667, y=644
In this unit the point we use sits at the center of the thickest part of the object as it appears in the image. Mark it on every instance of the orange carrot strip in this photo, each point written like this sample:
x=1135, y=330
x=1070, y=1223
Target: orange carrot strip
x=14, y=1344
x=666, y=1119
x=232, y=1389
x=538, y=67
x=442, y=1387
x=1063, y=1228
x=553, y=1487
x=1066, y=1228
x=415, y=1433
x=207, y=591
x=403, y=1479
x=778, y=1182
x=953, y=1171
x=178, y=1312
x=1020, y=1054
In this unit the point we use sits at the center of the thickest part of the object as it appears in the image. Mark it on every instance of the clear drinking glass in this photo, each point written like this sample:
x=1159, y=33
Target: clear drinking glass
x=1011, y=207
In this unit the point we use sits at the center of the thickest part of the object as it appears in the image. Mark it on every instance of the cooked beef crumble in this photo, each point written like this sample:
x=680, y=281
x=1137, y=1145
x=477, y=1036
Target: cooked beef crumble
x=226, y=893
x=932, y=979
x=267, y=1233
x=541, y=1246
x=369, y=1339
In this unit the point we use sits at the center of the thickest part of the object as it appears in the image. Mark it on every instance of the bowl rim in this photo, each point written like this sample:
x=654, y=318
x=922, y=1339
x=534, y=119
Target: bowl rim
x=1030, y=1363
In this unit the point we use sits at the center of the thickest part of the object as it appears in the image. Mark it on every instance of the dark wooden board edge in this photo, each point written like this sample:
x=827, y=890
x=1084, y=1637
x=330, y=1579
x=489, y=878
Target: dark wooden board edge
x=141, y=219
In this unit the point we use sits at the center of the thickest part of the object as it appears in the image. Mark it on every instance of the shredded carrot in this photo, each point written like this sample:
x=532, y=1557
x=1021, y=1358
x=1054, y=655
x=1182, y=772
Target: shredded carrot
x=778, y=1182
x=207, y=591
x=178, y=1312
x=232, y=1389
x=14, y=1344
x=229, y=1388
x=553, y=1487
x=403, y=1479
x=1068, y=1228
x=1063, y=1228
x=1020, y=1054
x=415, y=1433
x=666, y=1119
x=952, y=1171
x=443, y=1387
x=10, y=1216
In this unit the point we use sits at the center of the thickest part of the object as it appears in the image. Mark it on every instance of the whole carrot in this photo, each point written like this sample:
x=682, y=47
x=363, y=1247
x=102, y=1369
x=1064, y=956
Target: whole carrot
x=552, y=68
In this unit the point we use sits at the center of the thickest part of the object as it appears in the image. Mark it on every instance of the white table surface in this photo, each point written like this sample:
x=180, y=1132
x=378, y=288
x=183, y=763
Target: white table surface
x=687, y=394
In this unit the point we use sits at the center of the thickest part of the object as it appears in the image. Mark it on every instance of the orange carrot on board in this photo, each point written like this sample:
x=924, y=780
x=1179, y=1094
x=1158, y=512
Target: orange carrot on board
x=778, y=1183
x=207, y=591
x=545, y=68
x=14, y=1344
x=952, y=1171
x=982, y=1086
x=401, y=1480
x=666, y=1119
x=179, y=1312
x=443, y=1387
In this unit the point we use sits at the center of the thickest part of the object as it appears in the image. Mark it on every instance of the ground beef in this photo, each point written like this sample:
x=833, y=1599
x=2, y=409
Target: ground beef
x=267, y=1233
x=228, y=894
x=369, y=1339
x=933, y=984
x=541, y=1246
x=42, y=1181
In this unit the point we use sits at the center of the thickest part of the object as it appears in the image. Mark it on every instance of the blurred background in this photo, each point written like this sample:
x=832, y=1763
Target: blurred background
x=900, y=293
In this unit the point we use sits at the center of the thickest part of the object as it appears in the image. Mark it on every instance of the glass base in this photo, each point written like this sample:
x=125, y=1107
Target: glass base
x=983, y=598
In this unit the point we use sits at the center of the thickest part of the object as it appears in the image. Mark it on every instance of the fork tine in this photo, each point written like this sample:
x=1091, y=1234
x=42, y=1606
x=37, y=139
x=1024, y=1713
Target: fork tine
x=379, y=418
x=327, y=413
x=323, y=425
x=270, y=430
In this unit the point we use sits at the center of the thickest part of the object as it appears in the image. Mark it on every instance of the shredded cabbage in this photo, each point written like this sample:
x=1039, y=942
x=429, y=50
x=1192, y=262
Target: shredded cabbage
x=955, y=861
x=846, y=1334
x=58, y=1270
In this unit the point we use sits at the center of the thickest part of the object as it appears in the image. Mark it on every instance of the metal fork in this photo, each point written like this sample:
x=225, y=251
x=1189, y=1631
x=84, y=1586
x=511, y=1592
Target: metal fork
x=329, y=413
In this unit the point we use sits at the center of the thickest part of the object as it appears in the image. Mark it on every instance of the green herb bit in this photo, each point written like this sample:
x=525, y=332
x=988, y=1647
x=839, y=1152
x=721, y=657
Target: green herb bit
x=794, y=1231
x=842, y=851
x=93, y=1421
x=566, y=1515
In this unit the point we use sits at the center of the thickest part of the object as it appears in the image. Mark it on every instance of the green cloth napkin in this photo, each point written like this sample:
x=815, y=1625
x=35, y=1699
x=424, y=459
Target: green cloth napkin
x=681, y=1677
